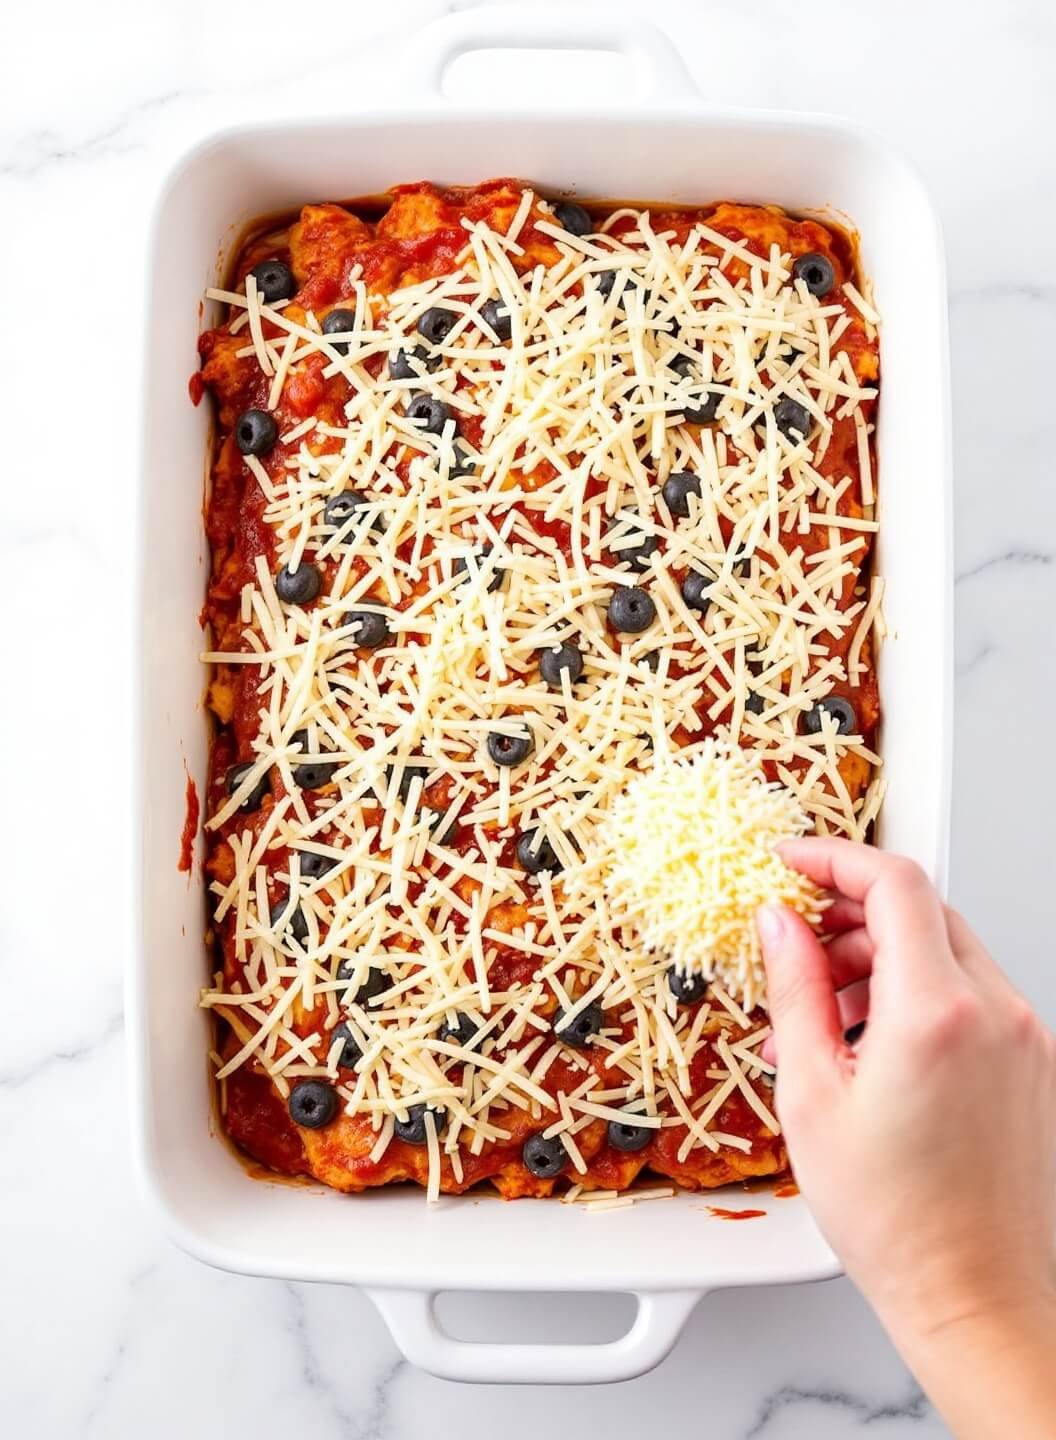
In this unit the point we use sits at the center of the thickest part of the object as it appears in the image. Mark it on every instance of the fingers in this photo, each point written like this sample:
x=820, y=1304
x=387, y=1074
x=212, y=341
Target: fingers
x=853, y=1003
x=850, y=961
x=838, y=865
x=901, y=909
x=803, y=1008
x=962, y=936
x=850, y=957
x=842, y=914
x=972, y=954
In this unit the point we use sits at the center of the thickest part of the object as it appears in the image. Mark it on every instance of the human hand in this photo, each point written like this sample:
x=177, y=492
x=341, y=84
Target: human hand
x=925, y=1150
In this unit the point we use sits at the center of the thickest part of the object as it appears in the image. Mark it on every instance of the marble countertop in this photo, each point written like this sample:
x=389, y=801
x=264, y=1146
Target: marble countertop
x=106, y=1329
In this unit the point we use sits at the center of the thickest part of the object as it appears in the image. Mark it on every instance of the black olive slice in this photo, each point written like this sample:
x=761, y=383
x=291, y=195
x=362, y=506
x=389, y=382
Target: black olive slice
x=312, y=1104
x=631, y=610
x=544, y=1157
x=583, y=1026
x=687, y=989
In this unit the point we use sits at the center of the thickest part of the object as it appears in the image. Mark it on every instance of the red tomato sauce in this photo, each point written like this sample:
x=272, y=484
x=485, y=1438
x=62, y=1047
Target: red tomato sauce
x=189, y=833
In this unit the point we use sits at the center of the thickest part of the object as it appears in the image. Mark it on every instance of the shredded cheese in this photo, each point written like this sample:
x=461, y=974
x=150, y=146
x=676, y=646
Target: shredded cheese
x=687, y=855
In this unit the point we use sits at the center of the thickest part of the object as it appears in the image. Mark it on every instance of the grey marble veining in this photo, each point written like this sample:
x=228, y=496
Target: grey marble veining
x=108, y=1331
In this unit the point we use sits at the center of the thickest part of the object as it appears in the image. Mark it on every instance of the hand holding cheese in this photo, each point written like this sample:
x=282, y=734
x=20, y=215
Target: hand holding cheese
x=687, y=855
x=926, y=1149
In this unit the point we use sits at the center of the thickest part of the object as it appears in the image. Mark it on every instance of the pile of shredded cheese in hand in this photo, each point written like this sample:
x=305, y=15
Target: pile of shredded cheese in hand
x=687, y=855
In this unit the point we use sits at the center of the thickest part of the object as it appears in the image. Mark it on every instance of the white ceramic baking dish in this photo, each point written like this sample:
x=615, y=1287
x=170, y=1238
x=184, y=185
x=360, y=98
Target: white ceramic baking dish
x=664, y=144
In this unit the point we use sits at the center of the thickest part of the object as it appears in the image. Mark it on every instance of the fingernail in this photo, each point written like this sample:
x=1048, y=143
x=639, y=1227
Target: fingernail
x=770, y=922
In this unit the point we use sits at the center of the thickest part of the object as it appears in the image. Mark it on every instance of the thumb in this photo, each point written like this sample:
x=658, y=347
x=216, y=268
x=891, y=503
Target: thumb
x=803, y=1008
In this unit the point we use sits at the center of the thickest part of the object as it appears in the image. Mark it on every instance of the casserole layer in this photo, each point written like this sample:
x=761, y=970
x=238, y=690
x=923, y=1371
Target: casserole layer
x=433, y=519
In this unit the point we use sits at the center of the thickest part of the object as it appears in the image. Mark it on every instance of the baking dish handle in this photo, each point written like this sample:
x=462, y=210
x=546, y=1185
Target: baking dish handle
x=661, y=74
x=411, y=1318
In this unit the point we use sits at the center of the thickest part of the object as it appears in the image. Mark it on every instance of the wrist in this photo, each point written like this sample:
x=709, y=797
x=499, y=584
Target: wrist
x=986, y=1363
x=982, y=1319
x=959, y=1288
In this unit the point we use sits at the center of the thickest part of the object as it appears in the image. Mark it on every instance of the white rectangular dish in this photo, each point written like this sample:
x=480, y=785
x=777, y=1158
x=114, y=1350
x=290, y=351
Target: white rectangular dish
x=665, y=146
